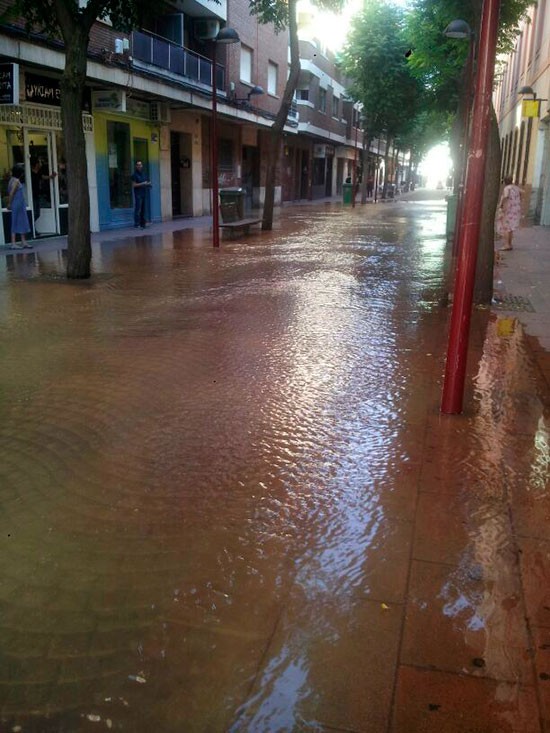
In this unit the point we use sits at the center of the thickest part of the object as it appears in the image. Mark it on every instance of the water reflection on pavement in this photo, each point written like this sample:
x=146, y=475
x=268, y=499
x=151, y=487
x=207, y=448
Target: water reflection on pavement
x=229, y=501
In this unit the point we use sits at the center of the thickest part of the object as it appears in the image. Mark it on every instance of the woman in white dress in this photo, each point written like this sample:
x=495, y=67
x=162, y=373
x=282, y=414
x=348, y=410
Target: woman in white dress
x=509, y=212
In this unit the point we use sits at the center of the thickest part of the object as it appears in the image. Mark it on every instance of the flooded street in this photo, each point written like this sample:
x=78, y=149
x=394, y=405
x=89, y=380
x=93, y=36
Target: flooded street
x=228, y=500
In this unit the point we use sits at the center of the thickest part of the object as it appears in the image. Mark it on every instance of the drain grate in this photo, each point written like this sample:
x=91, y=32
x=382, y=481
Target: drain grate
x=512, y=303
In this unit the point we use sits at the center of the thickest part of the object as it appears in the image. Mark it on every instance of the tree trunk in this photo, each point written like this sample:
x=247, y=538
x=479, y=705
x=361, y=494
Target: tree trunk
x=72, y=89
x=483, y=289
x=366, y=148
x=389, y=142
x=276, y=132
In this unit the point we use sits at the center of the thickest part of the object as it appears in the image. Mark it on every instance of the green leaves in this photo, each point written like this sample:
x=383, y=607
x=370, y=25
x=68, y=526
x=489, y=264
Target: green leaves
x=375, y=58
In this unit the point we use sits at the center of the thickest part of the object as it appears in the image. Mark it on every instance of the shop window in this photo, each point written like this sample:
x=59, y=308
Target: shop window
x=118, y=148
x=11, y=152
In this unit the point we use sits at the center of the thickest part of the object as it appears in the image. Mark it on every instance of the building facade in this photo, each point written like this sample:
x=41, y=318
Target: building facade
x=149, y=97
x=523, y=111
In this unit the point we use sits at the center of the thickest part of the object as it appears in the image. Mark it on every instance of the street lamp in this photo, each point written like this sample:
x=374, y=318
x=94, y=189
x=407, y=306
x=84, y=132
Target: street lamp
x=245, y=101
x=253, y=91
x=225, y=36
x=458, y=29
x=354, y=189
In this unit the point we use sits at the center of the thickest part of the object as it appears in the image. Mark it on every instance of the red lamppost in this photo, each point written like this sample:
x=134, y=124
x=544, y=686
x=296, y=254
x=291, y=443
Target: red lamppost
x=354, y=189
x=455, y=368
x=225, y=35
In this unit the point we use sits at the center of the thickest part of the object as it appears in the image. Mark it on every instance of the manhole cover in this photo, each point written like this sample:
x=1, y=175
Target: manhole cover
x=512, y=303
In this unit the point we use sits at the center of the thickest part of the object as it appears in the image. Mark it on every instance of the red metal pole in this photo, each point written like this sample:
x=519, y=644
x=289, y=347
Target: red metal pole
x=460, y=196
x=214, y=154
x=354, y=189
x=457, y=352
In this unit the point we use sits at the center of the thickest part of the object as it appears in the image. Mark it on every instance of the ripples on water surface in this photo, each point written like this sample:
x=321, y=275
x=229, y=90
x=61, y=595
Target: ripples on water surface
x=209, y=466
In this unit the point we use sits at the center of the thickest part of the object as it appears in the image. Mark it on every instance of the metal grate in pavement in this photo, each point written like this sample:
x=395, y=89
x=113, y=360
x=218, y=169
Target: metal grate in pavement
x=512, y=303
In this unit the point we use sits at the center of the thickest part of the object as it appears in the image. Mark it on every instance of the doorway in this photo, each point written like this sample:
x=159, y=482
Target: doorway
x=250, y=175
x=43, y=191
x=181, y=173
x=328, y=177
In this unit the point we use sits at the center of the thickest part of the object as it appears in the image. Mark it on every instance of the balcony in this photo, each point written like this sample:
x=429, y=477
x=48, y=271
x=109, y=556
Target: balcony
x=172, y=60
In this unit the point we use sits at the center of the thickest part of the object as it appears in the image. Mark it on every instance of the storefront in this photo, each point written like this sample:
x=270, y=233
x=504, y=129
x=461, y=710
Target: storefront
x=31, y=135
x=123, y=135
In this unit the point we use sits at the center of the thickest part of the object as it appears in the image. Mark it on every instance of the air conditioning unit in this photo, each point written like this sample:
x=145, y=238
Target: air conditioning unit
x=206, y=29
x=159, y=112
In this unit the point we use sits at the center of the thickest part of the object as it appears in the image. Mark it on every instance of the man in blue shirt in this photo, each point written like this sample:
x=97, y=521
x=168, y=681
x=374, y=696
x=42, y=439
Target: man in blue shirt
x=140, y=184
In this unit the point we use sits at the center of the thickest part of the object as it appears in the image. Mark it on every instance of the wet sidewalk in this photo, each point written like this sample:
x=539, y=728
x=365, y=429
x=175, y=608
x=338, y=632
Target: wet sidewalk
x=229, y=501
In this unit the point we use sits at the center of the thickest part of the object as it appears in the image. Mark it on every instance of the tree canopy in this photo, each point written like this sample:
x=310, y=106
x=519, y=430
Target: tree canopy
x=375, y=61
x=439, y=61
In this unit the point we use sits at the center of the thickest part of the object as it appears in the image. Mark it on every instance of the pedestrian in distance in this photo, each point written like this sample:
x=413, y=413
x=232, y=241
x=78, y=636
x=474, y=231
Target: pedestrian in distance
x=140, y=185
x=509, y=212
x=18, y=205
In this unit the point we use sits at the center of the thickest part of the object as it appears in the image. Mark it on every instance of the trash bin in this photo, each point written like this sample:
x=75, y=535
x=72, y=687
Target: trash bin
x=232, y=204
x=347, y=193
x=451, y=214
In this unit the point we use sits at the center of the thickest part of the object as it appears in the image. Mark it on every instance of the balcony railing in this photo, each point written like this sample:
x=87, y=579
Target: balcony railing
x=156, y=51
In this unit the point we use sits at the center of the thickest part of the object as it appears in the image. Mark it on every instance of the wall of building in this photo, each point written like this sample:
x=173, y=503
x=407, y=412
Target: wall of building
x=525, y=140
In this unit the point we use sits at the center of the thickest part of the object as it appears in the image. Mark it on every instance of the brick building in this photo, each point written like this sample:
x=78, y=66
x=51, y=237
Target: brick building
x=149, y=96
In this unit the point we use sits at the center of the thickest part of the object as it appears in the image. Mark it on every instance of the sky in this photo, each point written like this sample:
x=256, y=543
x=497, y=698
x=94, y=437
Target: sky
x=332, y=30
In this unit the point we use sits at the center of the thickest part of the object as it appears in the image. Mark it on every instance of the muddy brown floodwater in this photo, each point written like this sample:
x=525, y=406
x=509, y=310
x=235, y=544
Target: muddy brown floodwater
x=229, y=501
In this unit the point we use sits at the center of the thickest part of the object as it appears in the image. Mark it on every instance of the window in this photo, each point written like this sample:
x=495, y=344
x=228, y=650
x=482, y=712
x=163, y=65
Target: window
x=539, y=27
x=335, y=106
x=118, y=147
x=246, y=64
x=272, y=74
x=323, y=100
x=517, y=61
x=303, y=94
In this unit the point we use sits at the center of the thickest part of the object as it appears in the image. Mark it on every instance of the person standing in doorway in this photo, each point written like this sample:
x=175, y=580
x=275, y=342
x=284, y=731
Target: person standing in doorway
x=509, y=212
x=18, y=206
x=140, y=184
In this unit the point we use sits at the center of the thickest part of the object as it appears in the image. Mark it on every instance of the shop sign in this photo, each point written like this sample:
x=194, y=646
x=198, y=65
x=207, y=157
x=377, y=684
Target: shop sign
x=9, y=83
x=323, y=151
x=137, y=108
x=42, y=90
x=530, y=108
x=111, y=100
